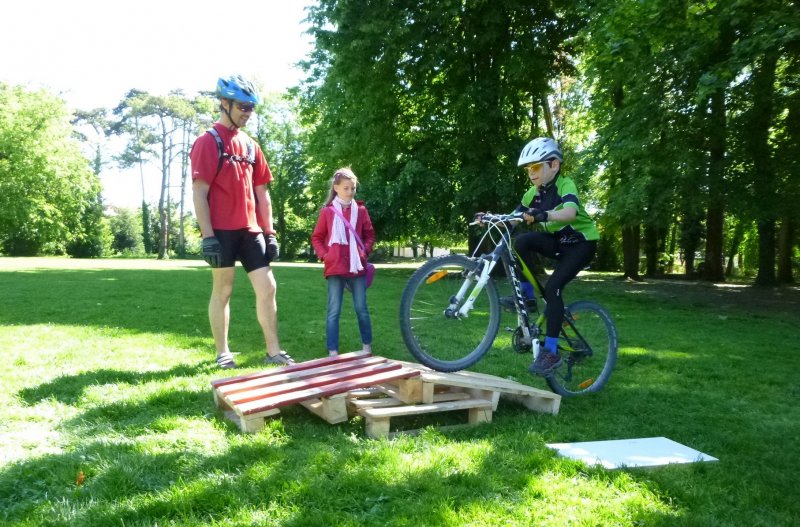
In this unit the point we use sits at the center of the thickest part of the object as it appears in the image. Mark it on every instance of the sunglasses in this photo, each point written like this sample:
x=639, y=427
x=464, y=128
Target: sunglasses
x=246, y=108
x=535, y=167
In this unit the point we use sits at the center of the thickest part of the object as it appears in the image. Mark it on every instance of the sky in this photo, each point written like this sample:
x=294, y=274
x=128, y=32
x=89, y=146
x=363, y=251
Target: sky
x=92, y=52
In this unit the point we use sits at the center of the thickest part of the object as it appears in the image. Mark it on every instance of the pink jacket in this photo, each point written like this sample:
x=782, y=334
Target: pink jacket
x=337, y=256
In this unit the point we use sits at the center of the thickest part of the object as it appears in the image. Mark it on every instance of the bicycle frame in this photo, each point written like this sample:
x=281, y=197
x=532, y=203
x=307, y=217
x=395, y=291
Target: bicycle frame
x=510, y=259
x=505, y=253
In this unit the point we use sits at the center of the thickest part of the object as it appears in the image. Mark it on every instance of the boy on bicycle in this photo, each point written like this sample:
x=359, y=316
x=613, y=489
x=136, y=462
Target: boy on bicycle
x=569, y=236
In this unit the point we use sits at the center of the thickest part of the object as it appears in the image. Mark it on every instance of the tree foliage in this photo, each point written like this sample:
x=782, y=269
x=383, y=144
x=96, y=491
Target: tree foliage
x=430, y=102
x=49, y=196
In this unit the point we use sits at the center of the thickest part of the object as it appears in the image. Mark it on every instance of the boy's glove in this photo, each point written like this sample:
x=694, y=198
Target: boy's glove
x=537, y=214
x=272, y=247
x=212, y=251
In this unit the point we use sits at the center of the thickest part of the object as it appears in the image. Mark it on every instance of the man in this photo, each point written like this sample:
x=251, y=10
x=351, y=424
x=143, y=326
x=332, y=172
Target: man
x=234, y=211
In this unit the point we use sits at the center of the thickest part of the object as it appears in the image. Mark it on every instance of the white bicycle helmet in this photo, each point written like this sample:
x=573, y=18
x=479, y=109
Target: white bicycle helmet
x=540, y=149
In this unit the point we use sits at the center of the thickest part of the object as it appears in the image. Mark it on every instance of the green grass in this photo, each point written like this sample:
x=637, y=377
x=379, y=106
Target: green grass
x=107, y=373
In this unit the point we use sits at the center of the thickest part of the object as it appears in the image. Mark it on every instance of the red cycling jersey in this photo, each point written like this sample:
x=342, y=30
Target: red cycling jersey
x=231, y=199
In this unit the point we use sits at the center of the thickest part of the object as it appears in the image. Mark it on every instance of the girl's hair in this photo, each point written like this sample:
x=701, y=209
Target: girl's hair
x=338, y=176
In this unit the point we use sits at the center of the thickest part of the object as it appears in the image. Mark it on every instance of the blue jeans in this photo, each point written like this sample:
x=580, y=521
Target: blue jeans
x=336, y=285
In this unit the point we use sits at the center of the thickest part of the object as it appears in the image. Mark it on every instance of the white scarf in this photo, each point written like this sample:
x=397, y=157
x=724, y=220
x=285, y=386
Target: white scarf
x=339, y=233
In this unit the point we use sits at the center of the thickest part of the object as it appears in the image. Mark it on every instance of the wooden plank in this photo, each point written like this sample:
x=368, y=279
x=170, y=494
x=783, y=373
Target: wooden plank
x=485, y=382
x=358, y=404
x=332, y=409
x=533, y=402
x=249, y=424
x=321, y=381
x=272, y=380
x=311, y=393
x=378, y=420
x=418, y=409
x=344, y=357
x=391, y=401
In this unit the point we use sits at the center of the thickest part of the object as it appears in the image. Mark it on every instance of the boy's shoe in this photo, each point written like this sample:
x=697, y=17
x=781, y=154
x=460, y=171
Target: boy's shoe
x=281, y=359
x=333, y=353
x=225, y=361
x=545, y=363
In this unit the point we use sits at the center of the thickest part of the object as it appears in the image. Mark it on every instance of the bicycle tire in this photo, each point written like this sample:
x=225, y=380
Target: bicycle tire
x=446, y=343
x=581, y=373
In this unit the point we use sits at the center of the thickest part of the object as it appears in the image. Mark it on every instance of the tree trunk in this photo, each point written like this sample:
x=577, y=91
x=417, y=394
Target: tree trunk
x=630, y=252
x=715, y=214
x=184, y=176
x=738, y=233
x=163, y=238
x=651, y=250
x=763, y=167
x=785, y=246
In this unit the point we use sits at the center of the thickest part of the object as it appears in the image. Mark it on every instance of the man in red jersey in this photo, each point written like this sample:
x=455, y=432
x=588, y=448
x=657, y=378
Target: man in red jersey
x=234, y=211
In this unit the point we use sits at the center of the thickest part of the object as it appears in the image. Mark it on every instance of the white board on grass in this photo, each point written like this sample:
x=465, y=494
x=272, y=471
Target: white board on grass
x=642, y=452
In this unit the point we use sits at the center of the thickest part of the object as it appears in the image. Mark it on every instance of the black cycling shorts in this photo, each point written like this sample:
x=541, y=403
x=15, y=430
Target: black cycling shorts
x=250, y=248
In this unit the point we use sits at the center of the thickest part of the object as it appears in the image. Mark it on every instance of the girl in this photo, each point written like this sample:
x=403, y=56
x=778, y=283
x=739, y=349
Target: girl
x=345, y=258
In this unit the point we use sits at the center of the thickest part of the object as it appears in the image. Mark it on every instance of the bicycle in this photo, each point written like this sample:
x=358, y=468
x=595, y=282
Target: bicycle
x=450, y=315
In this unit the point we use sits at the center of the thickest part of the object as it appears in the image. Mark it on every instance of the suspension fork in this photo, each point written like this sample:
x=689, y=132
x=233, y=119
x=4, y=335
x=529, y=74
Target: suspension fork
x=487, y=265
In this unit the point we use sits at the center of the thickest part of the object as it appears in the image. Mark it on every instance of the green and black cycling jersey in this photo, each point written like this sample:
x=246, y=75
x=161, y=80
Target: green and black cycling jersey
x=556, y=195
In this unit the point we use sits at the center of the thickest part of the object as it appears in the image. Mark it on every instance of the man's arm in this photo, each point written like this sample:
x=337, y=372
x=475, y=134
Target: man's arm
x=264, y=209
x=201, y=209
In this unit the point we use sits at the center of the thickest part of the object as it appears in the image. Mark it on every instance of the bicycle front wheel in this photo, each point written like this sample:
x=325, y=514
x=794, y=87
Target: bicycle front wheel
x=588, y=345
x=432, y=330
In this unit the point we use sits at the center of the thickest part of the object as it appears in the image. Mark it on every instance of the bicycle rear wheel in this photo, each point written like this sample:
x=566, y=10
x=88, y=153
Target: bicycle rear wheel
x=588, y=345
x=431, y=331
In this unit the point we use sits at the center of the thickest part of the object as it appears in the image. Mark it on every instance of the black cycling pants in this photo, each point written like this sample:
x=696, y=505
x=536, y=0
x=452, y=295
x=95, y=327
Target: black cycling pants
x=571, y=258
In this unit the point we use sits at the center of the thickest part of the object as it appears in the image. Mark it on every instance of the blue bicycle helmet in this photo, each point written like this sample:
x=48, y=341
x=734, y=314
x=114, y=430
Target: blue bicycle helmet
x=237, y=88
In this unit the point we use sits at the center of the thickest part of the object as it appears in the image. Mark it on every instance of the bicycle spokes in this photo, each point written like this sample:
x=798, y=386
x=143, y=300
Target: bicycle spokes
x=588, y=341
x=448, y=318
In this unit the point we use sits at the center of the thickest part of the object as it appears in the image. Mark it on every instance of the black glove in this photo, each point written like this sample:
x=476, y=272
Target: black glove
x=272, y=247
x=538, y=215
x=212, y=251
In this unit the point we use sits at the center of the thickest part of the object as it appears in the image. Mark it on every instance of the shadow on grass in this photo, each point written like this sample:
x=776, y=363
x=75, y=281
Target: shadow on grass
x=327, y=479
x=69, y=389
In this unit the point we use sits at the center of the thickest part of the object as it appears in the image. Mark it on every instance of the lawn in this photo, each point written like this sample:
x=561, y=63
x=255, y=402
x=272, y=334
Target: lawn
x=107, y=418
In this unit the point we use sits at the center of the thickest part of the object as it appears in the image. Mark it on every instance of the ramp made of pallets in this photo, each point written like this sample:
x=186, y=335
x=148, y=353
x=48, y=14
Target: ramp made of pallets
x=320, y=385
x=336, y=388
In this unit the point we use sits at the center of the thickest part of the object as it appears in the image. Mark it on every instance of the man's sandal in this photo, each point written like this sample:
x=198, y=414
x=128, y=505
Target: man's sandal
x=281, y=358
x=225, y=361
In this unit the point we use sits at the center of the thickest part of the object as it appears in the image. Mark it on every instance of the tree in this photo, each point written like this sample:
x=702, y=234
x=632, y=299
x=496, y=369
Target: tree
x=155, y=125
x=126, y=229
x=430, y=103
x=281, y=138
x=49, y=197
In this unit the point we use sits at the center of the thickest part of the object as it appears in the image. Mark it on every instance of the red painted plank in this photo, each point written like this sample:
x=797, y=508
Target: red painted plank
x=265, y=392
x=327, y=390
x=344, y=357
x=328, y=369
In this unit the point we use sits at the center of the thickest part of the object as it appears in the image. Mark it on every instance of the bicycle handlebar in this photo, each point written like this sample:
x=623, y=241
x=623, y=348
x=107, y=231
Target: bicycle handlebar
x=488, y=217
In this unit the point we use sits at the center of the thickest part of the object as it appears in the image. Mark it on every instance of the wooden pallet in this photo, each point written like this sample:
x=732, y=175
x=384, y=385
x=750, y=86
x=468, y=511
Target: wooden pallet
x=320, y=385
x=435, y=391
x=378, y=389
x=493, y=388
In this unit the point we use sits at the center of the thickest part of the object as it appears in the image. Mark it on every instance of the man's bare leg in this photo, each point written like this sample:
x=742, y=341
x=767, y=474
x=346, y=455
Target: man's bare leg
x=219, y=313
x=263, y=282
